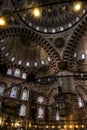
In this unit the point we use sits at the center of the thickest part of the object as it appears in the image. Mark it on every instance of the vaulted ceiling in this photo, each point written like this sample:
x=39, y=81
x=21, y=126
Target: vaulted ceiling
x=54, y=42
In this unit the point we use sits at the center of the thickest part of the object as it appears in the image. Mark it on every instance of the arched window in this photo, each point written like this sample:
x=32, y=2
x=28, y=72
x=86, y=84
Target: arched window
x=27, y=64
x=2, y=88
x=24, y=95
x=2, y=40
x=9, y=71
x=80, y=102
x=35, y=64
x=17, y=73
x=20, y=62
x=42, y=62
x=48, y=58
x=13, y=58
x=24, y=76
x=53, y=30
x=37, y=28
x=22, y=110
x=77, y=19
x=61, y=28
x=75, y=55
x=69, y=24
x=2, y=48
x=6, y=54
x=40, y=113
x=45, y=30
x=83, y=56
x=13, y=92
x=57, y=115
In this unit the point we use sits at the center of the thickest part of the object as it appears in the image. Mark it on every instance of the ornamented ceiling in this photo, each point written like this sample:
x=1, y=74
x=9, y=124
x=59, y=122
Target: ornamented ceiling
x=40, y=55
x=55, y=17
x=33, y=48
x=43, y=42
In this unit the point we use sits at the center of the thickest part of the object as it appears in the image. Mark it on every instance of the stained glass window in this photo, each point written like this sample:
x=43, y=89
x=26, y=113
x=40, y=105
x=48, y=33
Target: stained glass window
x=13, y=58
x=40, y=99
x=83, y=56
x=2, y=88
x=20, y=62
x=13, y=92
x=17, y=73
x=25, y=95
x=27, y=64
x=9, y=71
x=24, y=76
x=22, y=110
x=57, y=115
x=80, y=102
x=40, y=112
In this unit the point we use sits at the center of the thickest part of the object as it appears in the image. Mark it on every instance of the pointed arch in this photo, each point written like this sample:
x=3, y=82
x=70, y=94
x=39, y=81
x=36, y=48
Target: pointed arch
x=25, y=94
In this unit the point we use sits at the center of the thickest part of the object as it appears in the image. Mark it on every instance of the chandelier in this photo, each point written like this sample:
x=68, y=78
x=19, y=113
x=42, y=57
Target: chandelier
x=61, y=103
x=64, y=109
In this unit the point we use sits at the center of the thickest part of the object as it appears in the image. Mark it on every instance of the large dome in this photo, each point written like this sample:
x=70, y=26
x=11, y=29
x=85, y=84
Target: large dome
x=55, y=16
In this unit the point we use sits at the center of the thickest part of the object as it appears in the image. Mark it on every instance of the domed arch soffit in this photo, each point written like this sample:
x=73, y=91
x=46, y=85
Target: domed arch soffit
x=24, y=45
x=77, y=45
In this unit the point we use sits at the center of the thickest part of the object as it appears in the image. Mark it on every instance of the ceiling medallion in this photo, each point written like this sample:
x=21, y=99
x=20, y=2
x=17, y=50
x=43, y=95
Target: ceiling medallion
x=59, y=42
x=62, y=65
